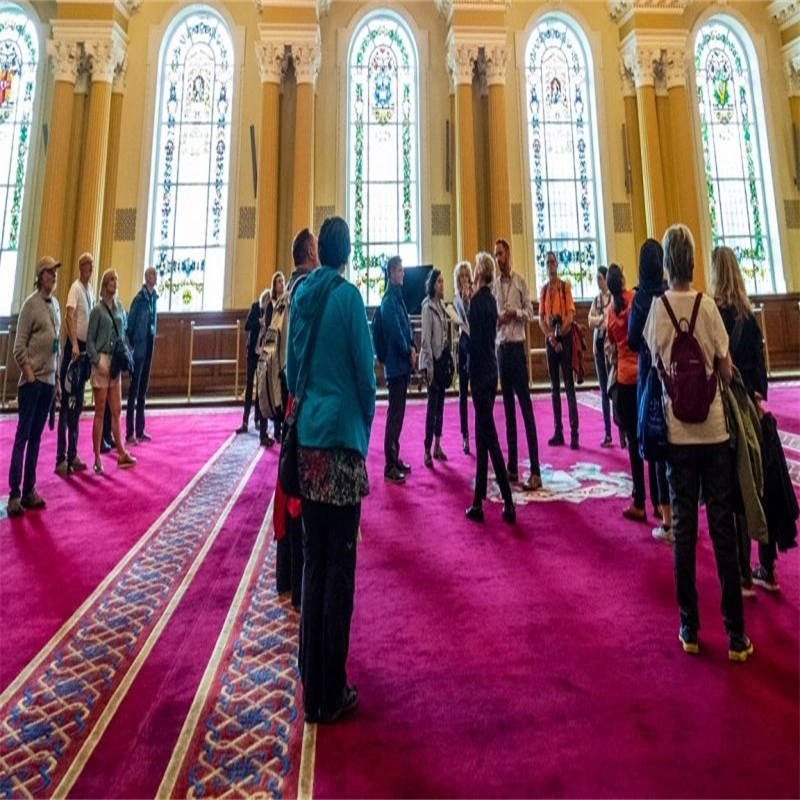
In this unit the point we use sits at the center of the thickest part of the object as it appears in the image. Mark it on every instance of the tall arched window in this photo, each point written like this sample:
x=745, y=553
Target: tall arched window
x=382, y=153
x=561, y=152
x=19, y=59
x=189, y=202
x=735, y=154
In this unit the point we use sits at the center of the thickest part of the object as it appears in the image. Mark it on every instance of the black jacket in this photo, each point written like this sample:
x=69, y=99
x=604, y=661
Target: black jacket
x=482, y=334
x=747, y=351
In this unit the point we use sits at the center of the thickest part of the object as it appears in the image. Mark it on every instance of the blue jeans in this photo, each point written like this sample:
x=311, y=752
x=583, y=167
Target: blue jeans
x=602, y=379
x=710, y=468
x=34, y=401
x=137, y=391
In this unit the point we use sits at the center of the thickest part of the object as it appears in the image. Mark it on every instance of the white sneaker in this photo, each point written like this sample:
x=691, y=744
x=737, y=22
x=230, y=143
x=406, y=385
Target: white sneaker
x=663, y=534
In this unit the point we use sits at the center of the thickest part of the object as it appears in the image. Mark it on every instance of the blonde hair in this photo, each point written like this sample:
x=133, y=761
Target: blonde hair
x=484, y=268
x=107, y=276
x=460, y=269
x=275, y=277
x=726, y=279
x=678, y=247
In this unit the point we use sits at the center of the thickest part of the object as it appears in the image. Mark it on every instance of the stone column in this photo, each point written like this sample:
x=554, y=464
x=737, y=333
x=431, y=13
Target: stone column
x=64, y=57
x=499, y=193
x=306, y=57
x=689, y=185
x=792, y=71
x=640, y=60
x=461, y=58
x=103, y=57
x=635, y=183
x=74, y=174
x=112, y=166
x=270, y=57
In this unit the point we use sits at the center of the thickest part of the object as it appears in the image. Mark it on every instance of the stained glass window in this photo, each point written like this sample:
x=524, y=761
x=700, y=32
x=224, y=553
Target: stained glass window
x=189, y=205
x=19, y=59
x=733, y=153
x=564, y=178
x=383, y=170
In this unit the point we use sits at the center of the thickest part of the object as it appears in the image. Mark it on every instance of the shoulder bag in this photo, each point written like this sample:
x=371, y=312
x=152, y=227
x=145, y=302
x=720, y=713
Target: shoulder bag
x=121, y=358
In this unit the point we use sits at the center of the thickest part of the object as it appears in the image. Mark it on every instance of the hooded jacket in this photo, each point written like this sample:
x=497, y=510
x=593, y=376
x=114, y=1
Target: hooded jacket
x=338, y=402
x=651, y=284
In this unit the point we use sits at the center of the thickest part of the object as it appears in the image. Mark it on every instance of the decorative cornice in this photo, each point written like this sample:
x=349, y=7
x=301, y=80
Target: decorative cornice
x=322, y=7
x=784, y=12
x=271, y=56
x=496, y=58
x=128, y=7
x=65, y=59
x=622, y=10
x=447, y=7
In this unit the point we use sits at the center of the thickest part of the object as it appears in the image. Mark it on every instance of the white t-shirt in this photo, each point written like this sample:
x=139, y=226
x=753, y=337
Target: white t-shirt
x=81, y=299
x=659, y=333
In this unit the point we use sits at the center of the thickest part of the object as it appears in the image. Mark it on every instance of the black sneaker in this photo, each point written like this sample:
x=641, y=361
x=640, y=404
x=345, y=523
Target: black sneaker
x=739, y=647
x=574, y=444
x=688, y=640
x=766, y=579
x=393, y=475
x=513, y=475
x=509, y=513
x=475, y=513
x=556, y=440
x=403, y=467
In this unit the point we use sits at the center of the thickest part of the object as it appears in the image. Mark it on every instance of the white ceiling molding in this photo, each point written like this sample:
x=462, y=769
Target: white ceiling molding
x=784, y=13
x=622, y=10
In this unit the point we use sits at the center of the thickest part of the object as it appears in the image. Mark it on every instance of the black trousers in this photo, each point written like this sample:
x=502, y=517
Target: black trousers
x=434, y=414
x=252, y=366
x=137, y=391
x=33, y=403
x=329, y=582
x=398, y=391
x=562, y=361
x=289, y=560
x=463, y=383
x=626, y=400
x=709, y=468
x=659, y=485
x=602, y=378
x=69, y=414
x=487, y=444
x=513, y=367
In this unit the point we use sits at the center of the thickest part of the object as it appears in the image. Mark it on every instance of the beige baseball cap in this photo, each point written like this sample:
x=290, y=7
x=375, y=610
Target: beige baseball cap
x=46, y=262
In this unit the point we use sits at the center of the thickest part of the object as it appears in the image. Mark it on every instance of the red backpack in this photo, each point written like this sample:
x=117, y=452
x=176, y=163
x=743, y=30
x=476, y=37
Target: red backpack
x=689, y=388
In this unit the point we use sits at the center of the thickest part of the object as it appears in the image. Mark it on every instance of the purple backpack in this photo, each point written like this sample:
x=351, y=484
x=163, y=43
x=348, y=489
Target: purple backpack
x=688, y=387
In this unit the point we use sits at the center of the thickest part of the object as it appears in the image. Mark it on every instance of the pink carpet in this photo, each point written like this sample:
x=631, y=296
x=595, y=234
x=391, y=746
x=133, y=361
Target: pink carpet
x=542, y=660
x=54, y=559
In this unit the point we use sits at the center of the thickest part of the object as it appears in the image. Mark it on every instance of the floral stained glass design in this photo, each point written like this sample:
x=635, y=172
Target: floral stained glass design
x=564, y=179
x=19, y=60
x=383, y=182
x=189, y=204
x=729, y=133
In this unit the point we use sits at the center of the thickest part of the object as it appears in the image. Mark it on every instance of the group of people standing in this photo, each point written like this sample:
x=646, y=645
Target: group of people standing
x=101, y=342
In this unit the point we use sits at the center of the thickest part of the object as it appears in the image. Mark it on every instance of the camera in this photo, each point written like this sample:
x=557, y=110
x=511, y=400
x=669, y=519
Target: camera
x=555, y=325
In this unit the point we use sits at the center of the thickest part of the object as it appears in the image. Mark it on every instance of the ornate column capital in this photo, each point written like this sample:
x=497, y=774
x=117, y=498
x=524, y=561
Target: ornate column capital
x=120, y=73
x=306, y=57
x=791, y=67
x=675, y=65
x=271, y=56
x=642, y=63
x=626, y=78
x=496, y=57
x=462, y=56
x=65, y=59
x=104, y=57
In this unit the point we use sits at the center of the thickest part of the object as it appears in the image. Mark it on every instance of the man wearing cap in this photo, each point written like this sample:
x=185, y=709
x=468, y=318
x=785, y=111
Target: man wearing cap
x=79, y=305
x=142, y=322
x=36, y=349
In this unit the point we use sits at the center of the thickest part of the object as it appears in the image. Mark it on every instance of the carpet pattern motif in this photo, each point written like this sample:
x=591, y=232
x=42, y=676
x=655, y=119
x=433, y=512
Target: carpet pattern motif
x=50, y=713
x=241, y=735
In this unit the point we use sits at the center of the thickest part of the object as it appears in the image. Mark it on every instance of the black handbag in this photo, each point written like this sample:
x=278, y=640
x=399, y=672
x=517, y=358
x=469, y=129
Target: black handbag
x=444, y=368
x=288, y=467
x=121, y=358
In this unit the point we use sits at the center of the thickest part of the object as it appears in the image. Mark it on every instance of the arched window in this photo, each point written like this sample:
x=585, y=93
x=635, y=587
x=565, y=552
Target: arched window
x=19, y=59
x=735, y=154
x=189, y=202
x=565, y=181
x=382, y=153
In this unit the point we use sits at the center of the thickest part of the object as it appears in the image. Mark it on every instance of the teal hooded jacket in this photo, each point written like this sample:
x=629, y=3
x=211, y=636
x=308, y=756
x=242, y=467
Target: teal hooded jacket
x=339, y=399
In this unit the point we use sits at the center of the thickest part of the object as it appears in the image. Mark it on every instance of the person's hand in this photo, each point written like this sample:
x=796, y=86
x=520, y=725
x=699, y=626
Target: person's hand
x=28, y=373
x=413, y=356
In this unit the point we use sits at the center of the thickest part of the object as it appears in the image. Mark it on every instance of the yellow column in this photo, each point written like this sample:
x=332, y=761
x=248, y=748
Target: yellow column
x=690, y=186
x=635, y=180
x=112, y=168
x=499, y=193
x=306, y=58
x=64, y=57
x=667, y=155
x=270, y=59
x=104, y=58
x=461, y=58
x=74, y=176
